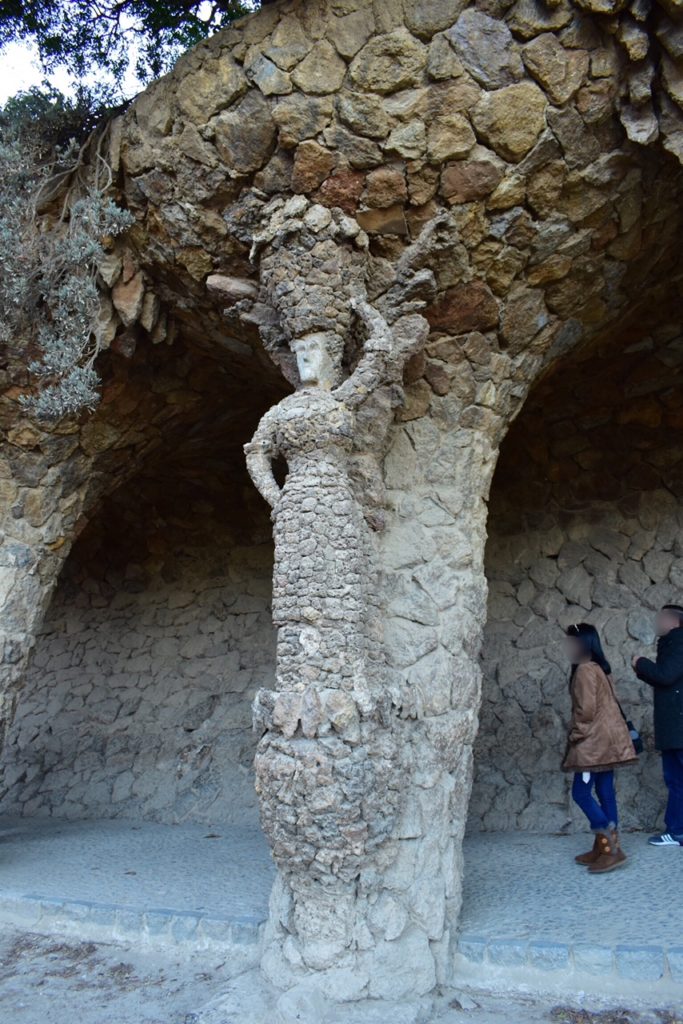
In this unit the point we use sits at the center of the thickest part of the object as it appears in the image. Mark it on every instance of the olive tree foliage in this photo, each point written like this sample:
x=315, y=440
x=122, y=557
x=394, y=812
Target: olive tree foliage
x=55, y=212
x=113, y=35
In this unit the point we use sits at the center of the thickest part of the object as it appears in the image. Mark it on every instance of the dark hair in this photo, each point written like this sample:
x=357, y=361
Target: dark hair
x=677, y=608
x=590, y=640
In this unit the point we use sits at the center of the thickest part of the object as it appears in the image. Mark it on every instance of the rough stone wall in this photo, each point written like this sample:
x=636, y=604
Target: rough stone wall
x=137, y=701
x=156, y=399
x=511, y=117
x=585, y=524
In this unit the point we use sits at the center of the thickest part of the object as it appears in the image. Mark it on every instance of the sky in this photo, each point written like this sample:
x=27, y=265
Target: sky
x=21, y=69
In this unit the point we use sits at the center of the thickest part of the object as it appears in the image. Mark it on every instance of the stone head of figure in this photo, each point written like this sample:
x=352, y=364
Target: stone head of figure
x=319, y=358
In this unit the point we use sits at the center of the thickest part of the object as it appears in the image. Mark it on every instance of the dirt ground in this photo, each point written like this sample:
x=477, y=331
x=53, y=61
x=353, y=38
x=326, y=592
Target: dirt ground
x=50, y=980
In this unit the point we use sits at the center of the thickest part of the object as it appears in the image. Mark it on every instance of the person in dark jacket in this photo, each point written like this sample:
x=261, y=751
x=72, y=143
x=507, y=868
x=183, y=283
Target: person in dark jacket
x=665, y=676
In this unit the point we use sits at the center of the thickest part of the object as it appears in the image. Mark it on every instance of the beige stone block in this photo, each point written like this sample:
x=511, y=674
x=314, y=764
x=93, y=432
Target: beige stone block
x=201, y=94
x=560, y=72
x=350, y=32
x=511, y=119
x=389, y=62
x=321, y=72
x=449, y=137
x=127, y=297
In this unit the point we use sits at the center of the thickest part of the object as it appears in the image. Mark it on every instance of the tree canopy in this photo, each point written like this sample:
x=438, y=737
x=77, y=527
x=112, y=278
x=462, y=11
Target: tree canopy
x=85, y=36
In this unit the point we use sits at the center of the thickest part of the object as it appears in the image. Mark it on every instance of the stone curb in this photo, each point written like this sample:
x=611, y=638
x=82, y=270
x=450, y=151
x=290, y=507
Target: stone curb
x=111, y=921
x=632, y=962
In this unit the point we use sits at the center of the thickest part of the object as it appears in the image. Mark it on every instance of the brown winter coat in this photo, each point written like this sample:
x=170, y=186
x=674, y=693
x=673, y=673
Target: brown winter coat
x=598, y=735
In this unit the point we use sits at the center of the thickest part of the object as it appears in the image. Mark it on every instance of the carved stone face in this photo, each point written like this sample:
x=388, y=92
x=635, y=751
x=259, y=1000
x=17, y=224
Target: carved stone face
x=315, y=359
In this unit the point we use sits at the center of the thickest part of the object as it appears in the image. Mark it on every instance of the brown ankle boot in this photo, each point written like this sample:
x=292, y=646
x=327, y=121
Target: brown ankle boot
x=616, y=843
x=591, y=856
x=610, y=855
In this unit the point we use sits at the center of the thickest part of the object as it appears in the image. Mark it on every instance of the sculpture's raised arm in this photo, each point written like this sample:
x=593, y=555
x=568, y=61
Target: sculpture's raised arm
x=385, y=352
x=260, y=452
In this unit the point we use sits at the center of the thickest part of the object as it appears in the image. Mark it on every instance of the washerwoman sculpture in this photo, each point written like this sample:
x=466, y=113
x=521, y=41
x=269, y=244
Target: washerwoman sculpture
x=323, y=578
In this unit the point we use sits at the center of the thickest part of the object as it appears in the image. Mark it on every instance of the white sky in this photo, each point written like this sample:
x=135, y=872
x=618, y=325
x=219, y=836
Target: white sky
x=20, y=69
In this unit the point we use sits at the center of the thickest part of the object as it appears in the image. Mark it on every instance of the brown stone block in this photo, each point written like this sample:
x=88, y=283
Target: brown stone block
x=604, y=234
x=443, y=63
x=384, y=187
x=469, y=306
x=452, y=97
x=351, y=31
x=342, y=189
x=245, y=136
x=364, y=114
x=390, y=221
x=531, y=17
x=524, y=315
x=449, y=137
x=127, y=297
x=312, y=164
x=289, y=43
x=425, y=17
x=418, y=397
x=321, y=72
x=545, y=187
x=645, y=411
x=418, y=216
x=359, y=152
x=504, y=268
x=204, y=92
x=437, y=376
x=595, y=101
x=414, y=368
x=510, y=192
x=485, y=46
x=553, y=269
x=196, y=261
x=465, y=181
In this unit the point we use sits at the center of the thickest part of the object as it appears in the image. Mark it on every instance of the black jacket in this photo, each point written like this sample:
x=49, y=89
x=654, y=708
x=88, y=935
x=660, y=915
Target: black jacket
x=665, y=676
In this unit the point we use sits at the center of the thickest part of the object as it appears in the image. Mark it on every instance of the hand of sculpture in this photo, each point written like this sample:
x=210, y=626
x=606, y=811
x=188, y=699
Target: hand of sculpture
x=379, y=334
x=260, y=452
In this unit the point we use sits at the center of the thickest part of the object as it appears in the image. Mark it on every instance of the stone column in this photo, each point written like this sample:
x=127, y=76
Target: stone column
x=437, y=473
x=403, y=906
x=28, y=573
x=41, y=499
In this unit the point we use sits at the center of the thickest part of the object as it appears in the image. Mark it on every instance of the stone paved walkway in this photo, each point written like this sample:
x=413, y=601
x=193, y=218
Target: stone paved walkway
x=175, y=883
x=526, y=904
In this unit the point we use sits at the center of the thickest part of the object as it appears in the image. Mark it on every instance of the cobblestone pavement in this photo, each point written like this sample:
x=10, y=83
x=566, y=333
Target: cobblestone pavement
x=188, y=887
x=175, y=883
x=526, y=903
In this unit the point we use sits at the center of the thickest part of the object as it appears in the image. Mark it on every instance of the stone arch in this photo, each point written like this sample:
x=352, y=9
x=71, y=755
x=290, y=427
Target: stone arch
x=585, y=516
x=512, y=121
x=137, y=697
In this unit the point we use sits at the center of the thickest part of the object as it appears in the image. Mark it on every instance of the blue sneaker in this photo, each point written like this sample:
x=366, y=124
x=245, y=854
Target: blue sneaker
x=665, y=839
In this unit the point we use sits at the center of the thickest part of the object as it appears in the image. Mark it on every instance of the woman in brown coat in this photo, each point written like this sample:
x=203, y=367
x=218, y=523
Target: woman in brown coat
x=599, y=740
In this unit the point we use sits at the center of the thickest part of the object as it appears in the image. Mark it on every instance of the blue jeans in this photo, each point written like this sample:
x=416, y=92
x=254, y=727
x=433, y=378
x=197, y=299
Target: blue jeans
x=601, y=813
x=672, y=767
